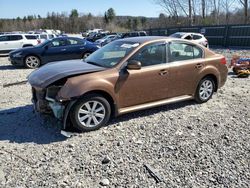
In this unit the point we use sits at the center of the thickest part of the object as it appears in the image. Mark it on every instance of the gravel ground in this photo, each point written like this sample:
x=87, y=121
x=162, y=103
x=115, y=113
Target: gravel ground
x=190, y=145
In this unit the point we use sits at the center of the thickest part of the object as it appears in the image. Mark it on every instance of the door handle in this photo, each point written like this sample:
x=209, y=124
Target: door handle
x=63, y=49
x=198, y=65
x=163, y=72
x=82, y=48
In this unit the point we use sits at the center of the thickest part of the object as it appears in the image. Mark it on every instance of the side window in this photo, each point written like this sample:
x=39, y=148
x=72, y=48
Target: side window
x=15, y=37
x=181, y=51
x=189, y=37
x=143, y=34
x=51, y=36
x=152, y=54
x=4, y=38
x=73, y=42
x=31, y=37
x=58, y=43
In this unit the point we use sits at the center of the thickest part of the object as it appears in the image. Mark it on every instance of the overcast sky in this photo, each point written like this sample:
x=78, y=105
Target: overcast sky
x=21, y=8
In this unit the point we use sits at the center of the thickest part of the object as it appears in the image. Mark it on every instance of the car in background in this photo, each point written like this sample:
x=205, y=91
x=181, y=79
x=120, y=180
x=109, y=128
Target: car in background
x=44, y=36
x=107, y=39
x=96, y=36
x=134, y=34
x=10, y=42
x=195, y=37
x=57, y=49
x=124, y=76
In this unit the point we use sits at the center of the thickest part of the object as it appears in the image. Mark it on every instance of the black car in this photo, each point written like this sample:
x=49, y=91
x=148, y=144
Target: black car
x=134, y=34
x=57, y=49
x=96, y=36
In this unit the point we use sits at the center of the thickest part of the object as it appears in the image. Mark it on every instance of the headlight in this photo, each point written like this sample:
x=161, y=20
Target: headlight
x=19, y=54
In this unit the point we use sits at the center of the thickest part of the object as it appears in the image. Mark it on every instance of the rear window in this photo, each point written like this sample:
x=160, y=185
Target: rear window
x=15, y=37
x=197, y=37
x=30, y=37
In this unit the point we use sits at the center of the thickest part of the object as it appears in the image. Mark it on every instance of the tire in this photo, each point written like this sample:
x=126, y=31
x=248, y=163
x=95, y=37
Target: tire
x=90, y=113
x=85, y=55
x=205, y=90
x=32, y=62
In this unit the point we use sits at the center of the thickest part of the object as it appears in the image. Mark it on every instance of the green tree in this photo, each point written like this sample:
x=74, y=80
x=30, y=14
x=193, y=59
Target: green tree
x=74, y=14
x=111, y=14
x=24, y=19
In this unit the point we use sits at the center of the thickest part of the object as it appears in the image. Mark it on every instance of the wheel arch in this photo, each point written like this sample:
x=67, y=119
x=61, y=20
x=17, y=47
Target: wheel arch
x=107, y=96
x=32, y=54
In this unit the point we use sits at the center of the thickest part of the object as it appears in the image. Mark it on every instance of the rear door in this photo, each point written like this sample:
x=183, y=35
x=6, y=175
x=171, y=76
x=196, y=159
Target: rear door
x=4, y=41
x=185, y=62
x=75, y=48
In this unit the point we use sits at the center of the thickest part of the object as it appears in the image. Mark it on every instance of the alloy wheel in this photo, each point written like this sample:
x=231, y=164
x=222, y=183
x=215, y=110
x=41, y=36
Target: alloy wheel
x=91, y=113
x=32, y=62
x=206, y=90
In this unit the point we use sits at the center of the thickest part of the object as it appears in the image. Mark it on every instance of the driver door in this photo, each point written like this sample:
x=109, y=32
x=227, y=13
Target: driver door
x=56, y=51
x=148, y=84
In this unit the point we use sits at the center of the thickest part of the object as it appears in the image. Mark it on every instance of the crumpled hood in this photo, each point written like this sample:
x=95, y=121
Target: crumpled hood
x=52, y=72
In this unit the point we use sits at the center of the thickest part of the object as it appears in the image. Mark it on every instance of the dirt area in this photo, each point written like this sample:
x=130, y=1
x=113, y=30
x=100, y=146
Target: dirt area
x=189, y=144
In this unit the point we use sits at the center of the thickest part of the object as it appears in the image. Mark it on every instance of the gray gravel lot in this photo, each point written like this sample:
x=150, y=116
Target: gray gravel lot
x=189, y=144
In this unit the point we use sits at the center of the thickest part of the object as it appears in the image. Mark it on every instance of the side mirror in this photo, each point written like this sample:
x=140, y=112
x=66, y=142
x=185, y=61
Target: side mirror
x=134, y=65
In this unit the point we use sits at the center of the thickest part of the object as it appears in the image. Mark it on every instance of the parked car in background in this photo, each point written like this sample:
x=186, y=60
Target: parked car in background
x=10, y=42
x=95, y=36
x=195, y=37
x=107, y=39
x=124, y=76
x=134, y=34
x=57, y=49
x=44, y=36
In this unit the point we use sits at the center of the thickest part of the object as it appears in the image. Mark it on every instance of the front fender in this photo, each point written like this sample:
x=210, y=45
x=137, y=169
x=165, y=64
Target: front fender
x=72, y=89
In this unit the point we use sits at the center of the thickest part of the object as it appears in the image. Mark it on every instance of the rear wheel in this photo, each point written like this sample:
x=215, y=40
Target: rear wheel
x=90, y=113
x=32, y=62
x=205, y=90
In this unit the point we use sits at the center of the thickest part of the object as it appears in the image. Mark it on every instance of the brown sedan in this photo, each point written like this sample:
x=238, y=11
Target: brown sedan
x=125, y=76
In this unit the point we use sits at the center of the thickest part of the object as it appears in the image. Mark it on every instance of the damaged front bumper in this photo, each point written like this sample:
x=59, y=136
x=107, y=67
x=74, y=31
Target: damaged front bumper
x=45, y=101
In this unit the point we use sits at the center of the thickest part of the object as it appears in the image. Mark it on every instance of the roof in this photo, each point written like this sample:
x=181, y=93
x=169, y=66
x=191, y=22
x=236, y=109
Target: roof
x=143, y=39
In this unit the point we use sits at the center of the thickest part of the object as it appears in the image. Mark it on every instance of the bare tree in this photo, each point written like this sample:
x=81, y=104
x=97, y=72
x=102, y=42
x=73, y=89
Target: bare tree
x=227, y=6
x=170, y=7
x=244, y=3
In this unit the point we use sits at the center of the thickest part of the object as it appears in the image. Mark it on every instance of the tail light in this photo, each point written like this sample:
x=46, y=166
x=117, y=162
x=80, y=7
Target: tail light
x=223, y=61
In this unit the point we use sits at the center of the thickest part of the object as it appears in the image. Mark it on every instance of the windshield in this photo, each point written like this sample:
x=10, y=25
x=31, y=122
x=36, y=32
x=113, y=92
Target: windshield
x=111, y=54
x=177, y=35
x=43, y=43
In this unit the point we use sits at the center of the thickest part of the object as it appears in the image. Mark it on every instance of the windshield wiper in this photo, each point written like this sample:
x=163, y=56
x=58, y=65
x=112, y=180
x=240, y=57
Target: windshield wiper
x=94, y=63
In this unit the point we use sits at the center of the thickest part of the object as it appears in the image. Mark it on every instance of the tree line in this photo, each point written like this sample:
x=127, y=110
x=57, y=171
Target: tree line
x=175, y=13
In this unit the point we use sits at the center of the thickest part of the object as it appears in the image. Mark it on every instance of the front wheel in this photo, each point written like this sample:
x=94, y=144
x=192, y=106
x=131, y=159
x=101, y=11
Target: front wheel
x=205, y=90
x=85, y=55
x=32, y=62
x=90, y=113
